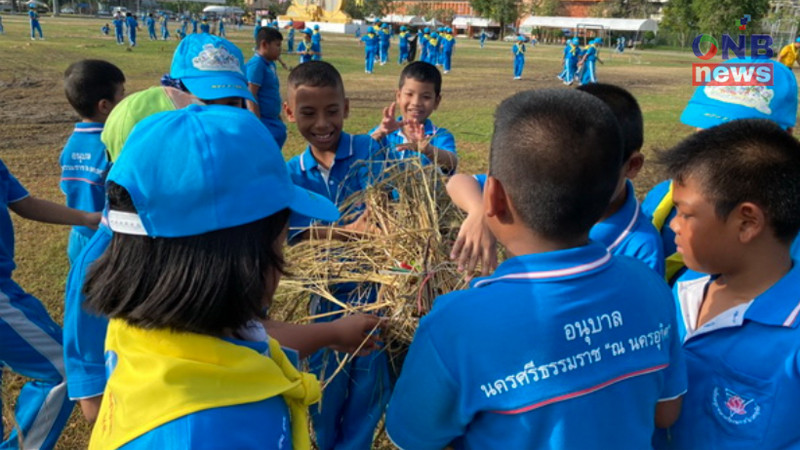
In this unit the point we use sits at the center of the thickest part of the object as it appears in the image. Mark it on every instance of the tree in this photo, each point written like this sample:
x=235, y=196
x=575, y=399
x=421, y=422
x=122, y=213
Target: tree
x=444, y=15
x=679, y=18
x=502, y=11
x=360, y=10
x=716, y=17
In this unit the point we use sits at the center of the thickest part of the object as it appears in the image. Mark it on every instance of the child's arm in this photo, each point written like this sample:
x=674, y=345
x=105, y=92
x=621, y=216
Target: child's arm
x=418, y=142
x=353, y=230
x=41, y=210
x=388, y=124
x=350, y=334
x=667, y=412
x=474, y=242
x=253, y=106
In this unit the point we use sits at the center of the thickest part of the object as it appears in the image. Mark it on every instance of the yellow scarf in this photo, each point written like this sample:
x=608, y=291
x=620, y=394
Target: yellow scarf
x=162, y=375
x=674, y=262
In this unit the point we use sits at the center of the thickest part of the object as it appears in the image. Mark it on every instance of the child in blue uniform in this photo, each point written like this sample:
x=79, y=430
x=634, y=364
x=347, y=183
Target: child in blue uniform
x=33, y=16
x=264, y=84
x=316, y=41
x=384, y=36
x=402, y=45
x=423, y=44
x=133, y=26
x=221, y=29
x=711, y=106
x=31, y=340
x=211, y=365
x=588, y=61
x=333, y=165
x=623, y=229
x=572, y=54
x=448, y=46
x=418, y=95
x=735, y=187
x=290, y=37
x=93, y=88
x=118, y=29
x=205, y=27
x=307, y=48
x=370, y=41
x=483, y=37
x=151, y=27
x=164, y=27
x=431, y=46
x=568, y=355
x=518, y=50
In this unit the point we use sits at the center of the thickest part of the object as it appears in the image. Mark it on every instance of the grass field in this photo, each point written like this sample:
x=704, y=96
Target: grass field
x=35, y=119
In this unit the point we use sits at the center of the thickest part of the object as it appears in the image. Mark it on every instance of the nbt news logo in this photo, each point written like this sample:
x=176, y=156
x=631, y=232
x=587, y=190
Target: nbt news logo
x=733, y=73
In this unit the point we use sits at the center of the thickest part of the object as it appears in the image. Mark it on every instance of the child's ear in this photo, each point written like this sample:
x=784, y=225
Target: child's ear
x=436, y=104
x=288, y=111
x=495, y=201
x=752, y=221
x=346, y=107
x=633, y=165
x=104, y=107
x=397, y=96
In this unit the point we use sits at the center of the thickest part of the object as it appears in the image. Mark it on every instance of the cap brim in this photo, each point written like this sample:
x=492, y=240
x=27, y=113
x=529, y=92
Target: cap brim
x=216, y=87
x=313, y=205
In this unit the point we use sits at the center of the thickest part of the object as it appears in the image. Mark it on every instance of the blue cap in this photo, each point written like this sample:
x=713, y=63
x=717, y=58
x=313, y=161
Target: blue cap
x=307, y=31
x=576, y=40
x=193, y=170
x=520, y=38
x=370, y=30
x=427, y=30
x=797, y=40
x=434, y=35
x=316, y=27
x=403, y=28
x=715, y=105
x=211, y=67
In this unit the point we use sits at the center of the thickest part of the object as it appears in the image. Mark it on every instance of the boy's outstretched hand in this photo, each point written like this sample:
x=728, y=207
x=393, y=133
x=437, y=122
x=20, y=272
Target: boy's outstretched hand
x=357, y=334
x=389, y=123
x=475, y=243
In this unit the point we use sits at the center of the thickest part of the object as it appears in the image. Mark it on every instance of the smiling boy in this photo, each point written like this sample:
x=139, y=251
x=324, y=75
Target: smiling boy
x=417, y=97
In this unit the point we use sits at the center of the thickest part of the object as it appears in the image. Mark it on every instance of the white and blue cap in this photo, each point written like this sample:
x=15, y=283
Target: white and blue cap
x=205, y=168
x=714, y=105
x=211, y=67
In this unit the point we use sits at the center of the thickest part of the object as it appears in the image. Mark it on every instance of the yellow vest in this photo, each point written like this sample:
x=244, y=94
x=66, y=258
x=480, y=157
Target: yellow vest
x=674, y=262
x=788, y=55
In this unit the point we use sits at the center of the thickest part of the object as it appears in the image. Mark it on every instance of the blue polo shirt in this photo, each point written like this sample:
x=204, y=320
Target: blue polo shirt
x=84, y=166
x=359, y=162
x=440, y=138
x=303, y=46
x=264, y=424
x=264, y=74
x=565, y=349
x=744, y=370
x=370, y=41
x=84, y=332
x=629, y=232
x=10, y=191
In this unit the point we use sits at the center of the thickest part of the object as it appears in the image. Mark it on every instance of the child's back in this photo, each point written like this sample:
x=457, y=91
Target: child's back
x=93, y=88
x=564, y=346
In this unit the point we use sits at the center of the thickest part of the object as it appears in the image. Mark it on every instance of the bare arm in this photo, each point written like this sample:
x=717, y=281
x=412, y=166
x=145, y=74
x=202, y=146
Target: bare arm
x=41, y=210
x=350, y=334
x=475, y=243
x=667, y=412
x=90, y=407
x=253, y=106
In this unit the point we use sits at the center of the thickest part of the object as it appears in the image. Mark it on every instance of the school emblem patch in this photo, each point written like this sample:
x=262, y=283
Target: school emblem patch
x=217, y=59
x=734, y=408
x=756, y=97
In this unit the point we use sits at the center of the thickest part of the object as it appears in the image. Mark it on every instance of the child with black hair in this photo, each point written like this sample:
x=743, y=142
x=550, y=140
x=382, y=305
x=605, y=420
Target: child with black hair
x=623, y=229
x=264, y=84
x=564, y=346
x=337, y=165
x=190, y=273
x=418, y=95
x=736, y=188
x=93, y=88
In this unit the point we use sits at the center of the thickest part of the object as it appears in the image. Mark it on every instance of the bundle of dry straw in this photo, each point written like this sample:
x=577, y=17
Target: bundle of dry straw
x=406, y=253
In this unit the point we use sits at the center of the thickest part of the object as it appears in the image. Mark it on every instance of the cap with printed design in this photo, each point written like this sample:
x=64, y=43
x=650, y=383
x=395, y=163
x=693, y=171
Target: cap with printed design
x=715, y=105
x=211, y=67
x=193, y=170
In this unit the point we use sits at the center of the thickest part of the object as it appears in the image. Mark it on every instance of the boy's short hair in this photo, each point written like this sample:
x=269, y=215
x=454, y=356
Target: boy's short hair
x=168, y=282
x=268, y=34
x=626, y=110
x=315, y=74
x=749, y=160
x=558, y=154
x=424, y=73
x=88, y=81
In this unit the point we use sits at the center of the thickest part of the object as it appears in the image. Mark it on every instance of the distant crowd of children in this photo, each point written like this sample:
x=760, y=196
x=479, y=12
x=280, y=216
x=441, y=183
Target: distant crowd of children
x=611, y=324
